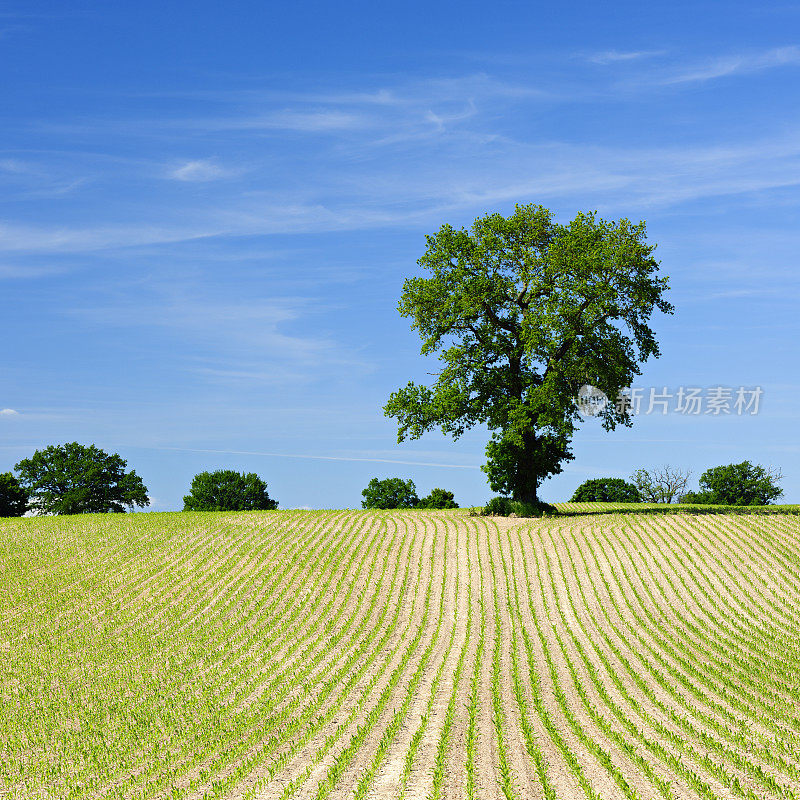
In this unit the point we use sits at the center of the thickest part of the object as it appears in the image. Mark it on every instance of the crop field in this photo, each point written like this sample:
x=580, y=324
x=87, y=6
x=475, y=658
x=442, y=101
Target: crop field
x=355, y=654
x=673, y=508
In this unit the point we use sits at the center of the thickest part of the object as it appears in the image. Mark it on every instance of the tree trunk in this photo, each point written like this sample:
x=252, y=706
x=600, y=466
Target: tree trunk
x=527, y=481
x=526, y=496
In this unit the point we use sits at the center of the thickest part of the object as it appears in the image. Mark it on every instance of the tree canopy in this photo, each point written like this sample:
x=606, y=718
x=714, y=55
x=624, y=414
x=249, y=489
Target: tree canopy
x=742, y=484
x=75, y=479
x=390, y=493
x=522, y=312
x=228, y=490
x=13, y=498
x=438, y=498
x=606, y=490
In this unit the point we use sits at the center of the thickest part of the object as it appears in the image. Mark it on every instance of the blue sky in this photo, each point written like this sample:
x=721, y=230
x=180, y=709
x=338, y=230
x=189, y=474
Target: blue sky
x=208, y=211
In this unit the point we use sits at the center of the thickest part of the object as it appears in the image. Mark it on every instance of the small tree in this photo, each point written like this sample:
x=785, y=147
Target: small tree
x=13, y=498
x=228, y=490
x=742, y=484
x=606, y=490
x=438, y=498
x=390, y=493
x=661, y=485
x=74, y=479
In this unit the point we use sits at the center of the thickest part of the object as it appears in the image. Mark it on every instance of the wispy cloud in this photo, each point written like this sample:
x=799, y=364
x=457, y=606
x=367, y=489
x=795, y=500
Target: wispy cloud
x=400, y=153
x=379, y=97
x=76, y=239
x=13, y=166
x=320, y=458
x=726, y=66
x=405, y=106
x=29, y=272
x=28, y=180
x=250, y=340
x=418, y=91
x=751, y=292
x=616, y=56
x=356, y=188
x=255, y=373
x=302, y=121
x=8, y=412
x=441, y=121
x=199, y=171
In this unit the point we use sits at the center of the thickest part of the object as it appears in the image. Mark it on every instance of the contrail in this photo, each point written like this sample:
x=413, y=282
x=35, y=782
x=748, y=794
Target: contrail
x=276, y=455
x=318, y=458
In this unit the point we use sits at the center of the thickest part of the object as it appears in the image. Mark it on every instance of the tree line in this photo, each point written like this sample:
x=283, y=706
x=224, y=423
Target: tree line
x=77, y=479
x=743, y=484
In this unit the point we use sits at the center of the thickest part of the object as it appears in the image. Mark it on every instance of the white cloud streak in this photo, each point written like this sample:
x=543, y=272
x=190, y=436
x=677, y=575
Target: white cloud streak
x=473, y=176
x=616, y=56
x=76, y=239
x=254, y=341
x=741, y=64
x=407, y=155
x=297, y=121
x=27, y=272
x=199, y=171
x=319, y=458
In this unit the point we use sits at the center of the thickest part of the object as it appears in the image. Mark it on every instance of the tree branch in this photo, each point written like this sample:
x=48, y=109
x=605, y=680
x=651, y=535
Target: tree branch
x=565, y=345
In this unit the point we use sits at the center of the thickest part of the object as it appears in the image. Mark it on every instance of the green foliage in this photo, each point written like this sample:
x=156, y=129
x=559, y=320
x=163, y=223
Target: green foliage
x=697, y=498
x=506, y=506
x=438, y=498
x=538, y=508
x=498, y=507
x=228, y=490
x=523, y=312
x=75, y=479
x=742, y=484
x=390, y=493
x=13, y=498
x=606, y=490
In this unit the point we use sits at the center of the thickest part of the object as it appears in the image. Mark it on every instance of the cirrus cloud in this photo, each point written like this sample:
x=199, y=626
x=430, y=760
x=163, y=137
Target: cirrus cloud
x=200, y=170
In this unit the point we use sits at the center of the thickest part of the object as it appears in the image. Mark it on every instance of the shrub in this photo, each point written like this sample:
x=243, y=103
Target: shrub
x=228, y=490
x=697, y=498
x=438, y=498
x=606, y=490
x=13, y=498
x=505, y=507
x=390, y=493
x=498, y=507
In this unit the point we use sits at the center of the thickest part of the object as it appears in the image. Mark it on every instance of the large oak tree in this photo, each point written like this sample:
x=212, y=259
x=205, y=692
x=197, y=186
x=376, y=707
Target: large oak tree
x=522, y=312
x=77, y=479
